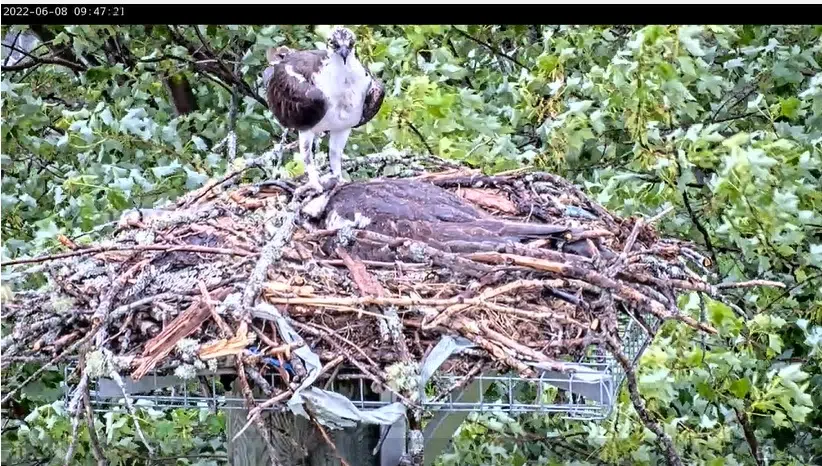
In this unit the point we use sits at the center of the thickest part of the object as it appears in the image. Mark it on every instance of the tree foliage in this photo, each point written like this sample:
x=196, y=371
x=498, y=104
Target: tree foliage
x=722, y=122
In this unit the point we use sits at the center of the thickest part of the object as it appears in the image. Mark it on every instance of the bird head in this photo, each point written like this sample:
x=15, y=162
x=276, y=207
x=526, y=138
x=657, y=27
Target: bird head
x=341, y=42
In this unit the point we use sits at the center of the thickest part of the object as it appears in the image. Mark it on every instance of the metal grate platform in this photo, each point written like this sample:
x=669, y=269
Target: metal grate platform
x=588, y=394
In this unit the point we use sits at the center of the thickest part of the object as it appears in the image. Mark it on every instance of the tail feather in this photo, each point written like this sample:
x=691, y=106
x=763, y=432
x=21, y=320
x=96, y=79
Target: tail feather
x=520, y=229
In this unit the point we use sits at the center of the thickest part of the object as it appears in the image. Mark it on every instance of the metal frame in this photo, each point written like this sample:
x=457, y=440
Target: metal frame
x=589, y=394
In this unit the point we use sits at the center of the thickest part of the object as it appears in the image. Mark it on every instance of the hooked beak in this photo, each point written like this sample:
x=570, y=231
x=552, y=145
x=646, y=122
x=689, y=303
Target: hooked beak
x=344, y=51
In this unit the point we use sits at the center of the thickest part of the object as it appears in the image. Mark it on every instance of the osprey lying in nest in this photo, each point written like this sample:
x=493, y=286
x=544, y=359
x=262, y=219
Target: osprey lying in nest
x=522, y=265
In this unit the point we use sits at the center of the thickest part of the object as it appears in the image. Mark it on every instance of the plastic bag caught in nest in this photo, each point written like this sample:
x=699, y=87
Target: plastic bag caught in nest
x=522, y=265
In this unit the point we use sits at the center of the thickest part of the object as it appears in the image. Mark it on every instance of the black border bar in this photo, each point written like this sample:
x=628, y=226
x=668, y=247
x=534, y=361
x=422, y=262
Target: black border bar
x=345, y=13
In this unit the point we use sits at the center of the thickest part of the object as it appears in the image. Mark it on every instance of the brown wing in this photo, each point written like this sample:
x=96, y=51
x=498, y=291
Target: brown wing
x=373, y=100
x=409, y=199
x=424, y=212
x=292, y=97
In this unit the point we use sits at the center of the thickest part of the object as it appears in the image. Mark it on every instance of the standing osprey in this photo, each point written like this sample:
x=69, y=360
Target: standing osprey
x=314, y=91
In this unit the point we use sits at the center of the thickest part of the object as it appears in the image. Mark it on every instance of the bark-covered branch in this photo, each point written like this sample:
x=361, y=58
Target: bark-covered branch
x=34, y=60
x=207, y=62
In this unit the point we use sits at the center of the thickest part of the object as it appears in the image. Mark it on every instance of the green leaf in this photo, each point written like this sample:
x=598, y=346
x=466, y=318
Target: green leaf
x=580, y=107
x=98, y=73
x=495, y=425
x=707, y=423
x=547, y=63
x=737, y=140
x=655, y=377
x=740, y=387
x=775, y=343
x=117, y=200
x=164, y=171
x=721, y=315
x=789, y=107
x=164, y=429
x=687, y=65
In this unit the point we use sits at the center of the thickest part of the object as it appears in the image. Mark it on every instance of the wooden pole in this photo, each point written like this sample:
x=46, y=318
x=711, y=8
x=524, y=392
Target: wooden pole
x=297, y=441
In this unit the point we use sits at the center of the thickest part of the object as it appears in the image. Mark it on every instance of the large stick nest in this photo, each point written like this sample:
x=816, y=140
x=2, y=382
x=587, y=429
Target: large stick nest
x=522, y=264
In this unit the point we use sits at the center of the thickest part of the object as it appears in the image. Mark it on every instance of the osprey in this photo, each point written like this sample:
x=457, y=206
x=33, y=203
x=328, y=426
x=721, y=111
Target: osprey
x=318, y=91
x=421, y=211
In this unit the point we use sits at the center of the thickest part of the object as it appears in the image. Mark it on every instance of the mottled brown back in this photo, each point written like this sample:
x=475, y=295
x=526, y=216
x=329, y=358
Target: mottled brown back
x=408, y=199
x=295, y=104
x=425, y=212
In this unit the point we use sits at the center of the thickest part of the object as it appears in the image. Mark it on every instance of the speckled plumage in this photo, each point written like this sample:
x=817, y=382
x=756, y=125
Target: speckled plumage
x=421, y=211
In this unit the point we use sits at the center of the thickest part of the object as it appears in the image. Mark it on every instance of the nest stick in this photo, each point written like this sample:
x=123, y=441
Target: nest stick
x=750, y=284
x=367, y=372
x=101, y=313
x=335, y=363
x=461, y=383
x=53, y=361
x=256, y=162
x=660, y=215
x=326, y=332
x=131, y=411
x=225, y=330
x=271, y=253
x=249, y=400
x=75, y=410
x=254, y=413
x=94, y=439
x=522, y=349
x=544, y=315
x=489, y=294
x=325, y=437
x=629, y=243
x=140, y=247
x=471, y=331
x=405, y=301
x=595, y=278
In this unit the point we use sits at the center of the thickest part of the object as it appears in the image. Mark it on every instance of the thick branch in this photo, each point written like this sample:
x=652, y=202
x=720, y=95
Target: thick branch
x=208, y=63
x=668, y=447
x=750, y=435
x=41, y=60
x=695, y=219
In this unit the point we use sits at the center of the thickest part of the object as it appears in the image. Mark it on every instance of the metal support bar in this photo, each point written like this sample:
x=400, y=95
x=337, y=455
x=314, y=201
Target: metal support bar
x=598, y=386
x=394, y=445
x=440, y=430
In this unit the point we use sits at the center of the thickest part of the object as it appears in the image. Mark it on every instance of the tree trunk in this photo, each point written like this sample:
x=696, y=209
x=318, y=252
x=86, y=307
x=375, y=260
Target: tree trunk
x=297, y=441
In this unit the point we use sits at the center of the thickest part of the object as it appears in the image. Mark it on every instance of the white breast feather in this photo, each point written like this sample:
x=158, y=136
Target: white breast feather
x=334, y=221
x=345, y=88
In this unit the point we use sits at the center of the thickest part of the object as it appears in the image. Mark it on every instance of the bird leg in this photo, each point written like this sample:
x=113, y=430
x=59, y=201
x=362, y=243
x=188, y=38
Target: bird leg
x=336, y=144
x=318, y=141
x=279, y=149
x=307, y=153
